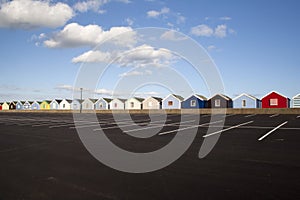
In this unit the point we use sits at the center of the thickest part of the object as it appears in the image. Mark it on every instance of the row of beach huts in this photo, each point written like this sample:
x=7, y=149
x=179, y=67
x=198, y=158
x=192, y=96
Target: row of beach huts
x=172, y=101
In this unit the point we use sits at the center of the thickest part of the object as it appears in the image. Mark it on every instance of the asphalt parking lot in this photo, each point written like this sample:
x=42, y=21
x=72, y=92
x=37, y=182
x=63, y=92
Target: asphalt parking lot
x=256, y=157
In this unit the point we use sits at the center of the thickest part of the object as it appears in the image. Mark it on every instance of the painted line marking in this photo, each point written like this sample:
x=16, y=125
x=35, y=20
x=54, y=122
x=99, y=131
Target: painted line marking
x=298, y=116
x=261, y=138
x=191, y=127
x=110, y=123
x=156, y=126
x=227, y=129
x=126, y=125
x=250, y=115
x=275, y=115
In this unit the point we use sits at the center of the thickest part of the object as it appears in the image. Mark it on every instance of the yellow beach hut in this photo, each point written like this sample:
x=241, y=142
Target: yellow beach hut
x=45, y=105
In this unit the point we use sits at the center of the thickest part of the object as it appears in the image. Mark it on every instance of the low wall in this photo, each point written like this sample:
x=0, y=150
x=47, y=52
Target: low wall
x=173, y=111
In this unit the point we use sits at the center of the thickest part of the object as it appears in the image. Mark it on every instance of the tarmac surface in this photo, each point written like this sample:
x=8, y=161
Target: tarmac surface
x=256, y=157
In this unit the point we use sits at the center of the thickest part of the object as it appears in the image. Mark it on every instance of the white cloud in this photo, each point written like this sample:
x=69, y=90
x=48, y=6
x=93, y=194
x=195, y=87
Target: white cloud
x=71, y=88
x=136, y=73
x=93, y=5
x=28, y=14
x=202, y=30
x=225, y=18
x=140, y=56
x=65, y=87
x=75, y=35
x=211, y=47
x=172, y=35
x=221, y=31
x=146, y=55
x=93, y=57
x=104, y=92
x=155, y=14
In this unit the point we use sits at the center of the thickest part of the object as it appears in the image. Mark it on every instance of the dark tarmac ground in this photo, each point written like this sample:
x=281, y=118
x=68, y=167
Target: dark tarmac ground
x=42, y=157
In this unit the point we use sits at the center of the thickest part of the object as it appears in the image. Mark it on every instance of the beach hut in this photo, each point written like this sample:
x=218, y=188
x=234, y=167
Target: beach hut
x=296, y=101
x=195, y=101
x=152, y=103
x=275, y=100
x=45, y=105
x=54, y=105
x=36, y=105
x=65, y=104
x=1, y=105
x=76, y=104
x=5, y=106
x=103, y=104
x=134, y=103
x=19, y=105
x=117, y=104
x=12, y=105
x=89, y=104
x=246, y=101
x=27, y=105
x=172, y=101
x=220, y=101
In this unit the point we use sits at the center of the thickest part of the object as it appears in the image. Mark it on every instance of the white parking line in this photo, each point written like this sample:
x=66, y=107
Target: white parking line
x=227, y=129
x=261, y=138
x=191, y=127
x=250, y=115
x=156, y=126
x=126, y=125
x=275, y=115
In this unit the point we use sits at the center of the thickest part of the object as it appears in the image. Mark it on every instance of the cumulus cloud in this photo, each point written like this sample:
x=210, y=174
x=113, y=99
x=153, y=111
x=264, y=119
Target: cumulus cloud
x=93, y=56
x=140, y=56
x=204, y=30
x=75, y=35
x=155, y=13
x=172, y=35
x=28, y=14
x=221, y=31
x=146, y=55
x=94, y=5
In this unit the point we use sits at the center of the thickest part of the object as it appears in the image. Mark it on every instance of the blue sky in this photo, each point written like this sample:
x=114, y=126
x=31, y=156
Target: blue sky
x=254, y=44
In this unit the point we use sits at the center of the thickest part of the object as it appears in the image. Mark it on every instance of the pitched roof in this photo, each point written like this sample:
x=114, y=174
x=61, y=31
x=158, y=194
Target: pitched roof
x=139, y=99
x=178, y=97
x=47, y=101
x=93, y=100
x=108, y=100
x=58, y=101
x=248, y=95
x=122, y=100
x=69, y=101
x=200, y=97
x=274, y=92
x=298, y=95
x=157, y=98
x=223, y=96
